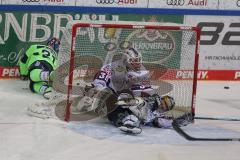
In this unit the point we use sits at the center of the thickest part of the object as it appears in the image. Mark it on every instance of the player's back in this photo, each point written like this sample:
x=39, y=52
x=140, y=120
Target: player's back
x=42, y=53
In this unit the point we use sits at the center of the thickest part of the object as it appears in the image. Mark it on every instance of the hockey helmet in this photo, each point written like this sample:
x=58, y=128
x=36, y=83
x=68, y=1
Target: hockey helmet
x=54, y=43
x=133, y=58
x=165, y=103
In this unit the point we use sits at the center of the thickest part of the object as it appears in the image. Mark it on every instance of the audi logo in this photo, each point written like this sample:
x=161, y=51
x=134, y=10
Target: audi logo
x=238, y=3
x=106, y=1
x=30, y=0
x=175, y=2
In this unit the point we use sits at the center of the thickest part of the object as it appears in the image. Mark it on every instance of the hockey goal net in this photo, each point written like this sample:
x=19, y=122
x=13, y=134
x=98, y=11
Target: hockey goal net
x=169, y=51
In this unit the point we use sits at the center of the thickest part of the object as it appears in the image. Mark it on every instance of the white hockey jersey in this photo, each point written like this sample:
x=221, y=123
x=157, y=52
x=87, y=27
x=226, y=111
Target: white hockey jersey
x=119, y=77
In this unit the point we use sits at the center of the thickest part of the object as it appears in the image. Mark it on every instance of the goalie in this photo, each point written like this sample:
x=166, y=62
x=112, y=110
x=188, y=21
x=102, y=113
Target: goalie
x=38, y=64
x=129, y=75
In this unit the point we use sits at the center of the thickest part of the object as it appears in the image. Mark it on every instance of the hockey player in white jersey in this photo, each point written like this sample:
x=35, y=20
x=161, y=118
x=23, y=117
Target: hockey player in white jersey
x=150, y=111
x=128, y=74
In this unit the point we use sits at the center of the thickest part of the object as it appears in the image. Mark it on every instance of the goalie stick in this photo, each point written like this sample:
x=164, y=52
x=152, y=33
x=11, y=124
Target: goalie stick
x=180, y=131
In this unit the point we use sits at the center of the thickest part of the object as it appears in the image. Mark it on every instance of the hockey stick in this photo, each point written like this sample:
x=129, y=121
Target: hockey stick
x=218, y=118
x=180, y=131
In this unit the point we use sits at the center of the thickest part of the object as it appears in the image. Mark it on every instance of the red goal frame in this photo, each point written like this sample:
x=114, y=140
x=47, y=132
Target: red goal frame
x=129, y=26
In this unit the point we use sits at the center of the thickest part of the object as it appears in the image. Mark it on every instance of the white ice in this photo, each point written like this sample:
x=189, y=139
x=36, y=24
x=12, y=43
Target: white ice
x=29, y=138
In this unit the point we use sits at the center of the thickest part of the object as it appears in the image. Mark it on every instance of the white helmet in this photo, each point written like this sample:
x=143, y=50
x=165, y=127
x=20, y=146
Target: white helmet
x=133, y=58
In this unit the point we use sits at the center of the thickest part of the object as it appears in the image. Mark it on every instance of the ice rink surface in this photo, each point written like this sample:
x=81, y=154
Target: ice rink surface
x=29, y=138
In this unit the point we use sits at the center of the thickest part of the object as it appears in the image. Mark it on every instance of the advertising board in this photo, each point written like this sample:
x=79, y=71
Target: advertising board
x=184, y=4
x=21, y=29
x=114, y=3
x=229, y=4
x=220, y=41
x=220, y=36
x=40, y=2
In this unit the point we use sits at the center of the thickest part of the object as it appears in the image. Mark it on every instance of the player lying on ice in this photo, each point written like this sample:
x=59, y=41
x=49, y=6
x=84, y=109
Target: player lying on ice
x=133, y=101
x=37, y=64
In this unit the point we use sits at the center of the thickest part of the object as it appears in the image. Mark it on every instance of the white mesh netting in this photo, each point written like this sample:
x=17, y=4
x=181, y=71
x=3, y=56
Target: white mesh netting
x=168, y=52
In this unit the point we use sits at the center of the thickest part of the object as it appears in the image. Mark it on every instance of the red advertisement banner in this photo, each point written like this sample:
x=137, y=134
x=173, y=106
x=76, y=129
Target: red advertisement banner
x=222, y=75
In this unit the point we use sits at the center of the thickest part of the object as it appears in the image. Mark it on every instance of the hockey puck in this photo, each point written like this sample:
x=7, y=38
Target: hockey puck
x=226, y=87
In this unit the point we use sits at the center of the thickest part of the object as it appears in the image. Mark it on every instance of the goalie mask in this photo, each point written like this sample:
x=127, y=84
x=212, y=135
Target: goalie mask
x=165, y=103
x=133, y=58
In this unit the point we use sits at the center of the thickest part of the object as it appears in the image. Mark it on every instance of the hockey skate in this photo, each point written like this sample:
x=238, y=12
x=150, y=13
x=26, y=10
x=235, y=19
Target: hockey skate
x=131, y=124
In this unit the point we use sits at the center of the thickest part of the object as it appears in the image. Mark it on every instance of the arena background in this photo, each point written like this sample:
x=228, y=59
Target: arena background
x=26, y=22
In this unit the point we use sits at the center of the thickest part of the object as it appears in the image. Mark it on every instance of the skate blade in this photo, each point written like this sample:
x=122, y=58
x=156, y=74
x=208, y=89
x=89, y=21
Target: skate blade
x=130, y=130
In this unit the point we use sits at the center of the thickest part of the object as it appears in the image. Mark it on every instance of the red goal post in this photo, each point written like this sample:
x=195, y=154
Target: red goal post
x=169, y=51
